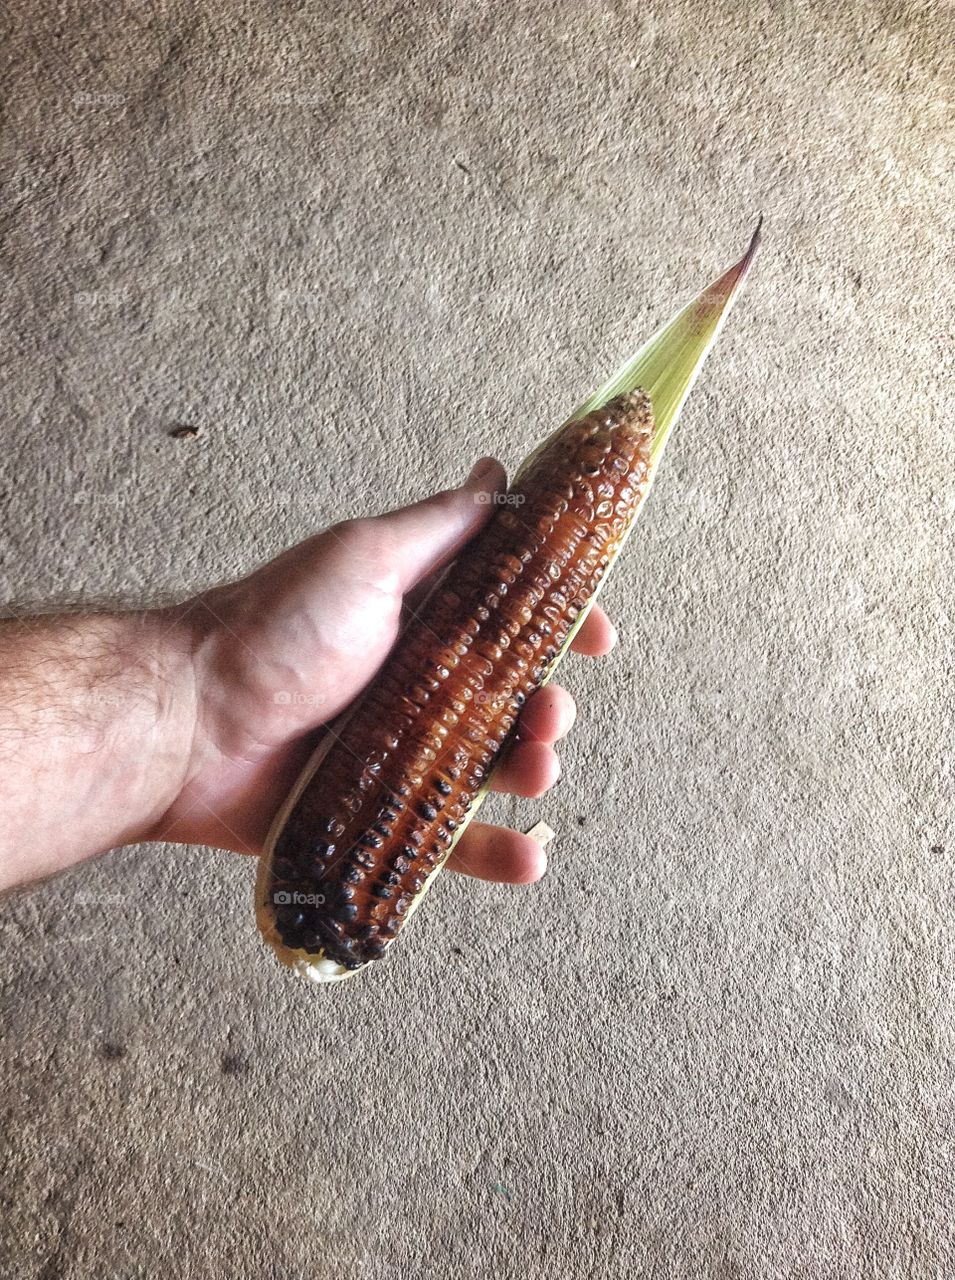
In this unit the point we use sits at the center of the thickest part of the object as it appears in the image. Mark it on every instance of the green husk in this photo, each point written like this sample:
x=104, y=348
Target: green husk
x=665, y=367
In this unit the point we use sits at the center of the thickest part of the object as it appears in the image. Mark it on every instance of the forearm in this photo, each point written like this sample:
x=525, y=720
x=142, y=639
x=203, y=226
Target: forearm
x=96, y=719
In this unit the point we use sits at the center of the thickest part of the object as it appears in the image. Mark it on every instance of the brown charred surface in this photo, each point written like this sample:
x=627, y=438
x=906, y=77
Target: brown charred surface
x=380, y=813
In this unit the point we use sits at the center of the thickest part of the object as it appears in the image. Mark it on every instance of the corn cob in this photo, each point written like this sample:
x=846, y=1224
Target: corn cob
x=379, y=808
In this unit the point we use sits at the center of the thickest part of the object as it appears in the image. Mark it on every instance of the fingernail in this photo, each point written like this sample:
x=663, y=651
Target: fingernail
x=481, y=470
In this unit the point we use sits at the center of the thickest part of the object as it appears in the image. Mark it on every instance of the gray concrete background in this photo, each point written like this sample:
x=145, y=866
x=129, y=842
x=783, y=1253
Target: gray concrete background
x=357, y=246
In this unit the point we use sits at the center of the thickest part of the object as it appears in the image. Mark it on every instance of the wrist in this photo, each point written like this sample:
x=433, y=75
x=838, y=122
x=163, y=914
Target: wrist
x=162, y=647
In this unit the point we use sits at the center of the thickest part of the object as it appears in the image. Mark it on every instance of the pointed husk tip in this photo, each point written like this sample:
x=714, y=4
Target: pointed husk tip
x=667, y=366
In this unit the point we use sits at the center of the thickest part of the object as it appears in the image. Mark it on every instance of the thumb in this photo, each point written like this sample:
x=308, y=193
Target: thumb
x=427, y=535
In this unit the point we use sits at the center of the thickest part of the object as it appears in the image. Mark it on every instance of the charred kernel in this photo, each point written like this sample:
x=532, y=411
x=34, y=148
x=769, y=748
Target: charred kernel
x=383, y=891
x=353, y=875
x=290, y=920
x=391, y=877
x=444, y=787
x=371, y=840
x=347, y=911
x=382, y=830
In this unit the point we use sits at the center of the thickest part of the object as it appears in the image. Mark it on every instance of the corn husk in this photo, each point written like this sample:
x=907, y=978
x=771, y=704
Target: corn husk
x=666, y=367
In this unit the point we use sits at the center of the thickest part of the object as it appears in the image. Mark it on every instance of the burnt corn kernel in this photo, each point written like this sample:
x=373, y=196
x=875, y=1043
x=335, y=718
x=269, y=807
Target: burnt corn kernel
x=375, y=820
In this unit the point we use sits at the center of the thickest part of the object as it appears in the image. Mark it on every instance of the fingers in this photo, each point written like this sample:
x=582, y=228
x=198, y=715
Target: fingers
x=531, y=766
x=597, y=634
x=549, y=715
x=498, y=854
x=421, y=538
x=529, y=769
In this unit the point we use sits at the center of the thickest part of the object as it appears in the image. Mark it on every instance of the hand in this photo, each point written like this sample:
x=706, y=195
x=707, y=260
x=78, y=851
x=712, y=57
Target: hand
x=281, y=652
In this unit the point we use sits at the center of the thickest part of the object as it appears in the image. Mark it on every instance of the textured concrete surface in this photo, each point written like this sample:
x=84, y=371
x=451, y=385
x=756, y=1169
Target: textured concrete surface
x=356, y=246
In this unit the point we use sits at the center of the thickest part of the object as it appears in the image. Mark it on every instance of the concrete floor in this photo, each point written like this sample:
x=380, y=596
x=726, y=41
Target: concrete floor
x=357, y=246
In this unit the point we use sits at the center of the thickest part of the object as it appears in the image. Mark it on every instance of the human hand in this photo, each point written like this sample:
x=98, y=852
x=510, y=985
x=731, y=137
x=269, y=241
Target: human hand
x=278, y=654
